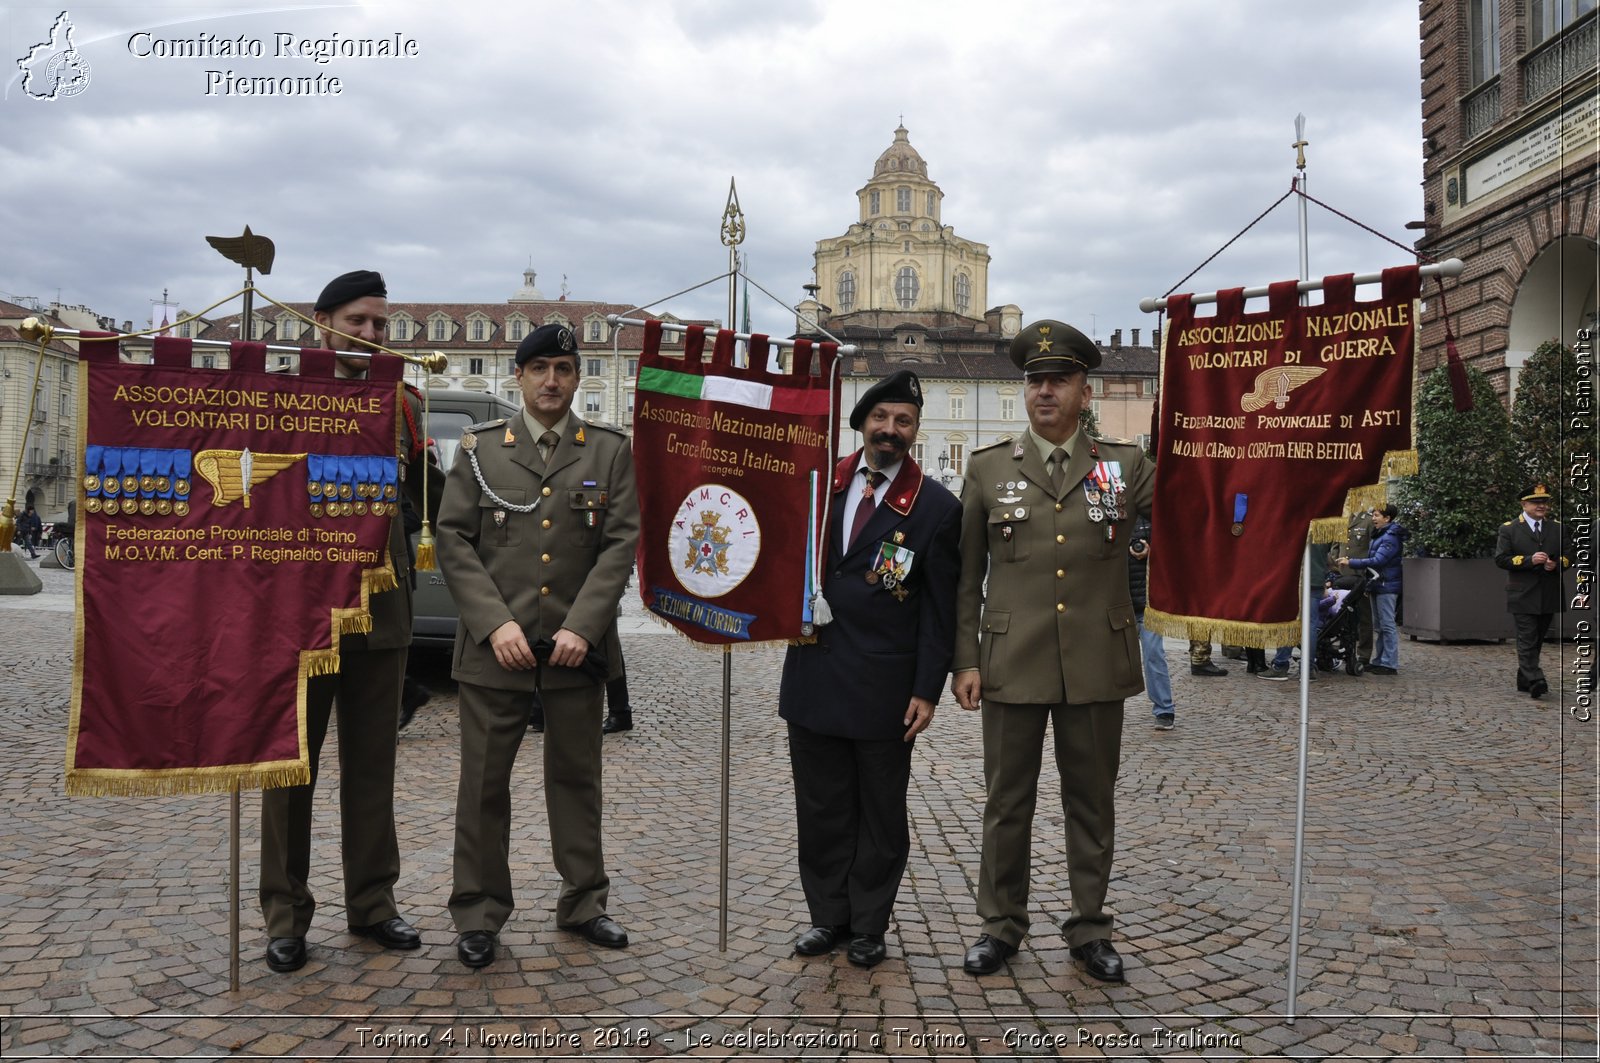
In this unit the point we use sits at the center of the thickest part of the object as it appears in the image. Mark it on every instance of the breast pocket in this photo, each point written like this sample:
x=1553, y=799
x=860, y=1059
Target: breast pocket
x=498, y=525
x=588, y=507
x=1008, y=532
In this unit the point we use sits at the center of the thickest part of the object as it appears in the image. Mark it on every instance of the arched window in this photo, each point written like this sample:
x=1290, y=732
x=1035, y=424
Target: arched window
x=930, y=204
x=963, y=293
x=902, y=200
x=873, y=200
x=906, y=287
x=847, y=292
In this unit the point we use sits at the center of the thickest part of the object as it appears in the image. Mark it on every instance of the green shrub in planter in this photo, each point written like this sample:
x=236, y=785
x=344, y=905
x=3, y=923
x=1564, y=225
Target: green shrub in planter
x=1467, y=480
x=1541, y=425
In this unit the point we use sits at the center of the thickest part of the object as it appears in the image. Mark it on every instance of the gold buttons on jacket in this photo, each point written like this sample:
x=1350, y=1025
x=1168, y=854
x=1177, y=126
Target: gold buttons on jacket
x=545, y=492
x=1061, y=607
x=545, y=523
x=1059, y=507
x=545, y=558
x=1061, y=538
x=1061, y=573
x=544, y=592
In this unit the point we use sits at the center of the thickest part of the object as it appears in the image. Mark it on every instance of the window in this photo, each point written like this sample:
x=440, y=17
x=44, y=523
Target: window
x=438, y=329
x=1546, y=18
x=958, y=407
x=475, y=365
x=61, y=406
x=515, y=327
x=594, y=331
x=477, y=329
x=1147, y=386
x=919, y=454
x=906, y=287
x=65, y=370
x=1483, y=29
x=630, y=404
x=257, y=326
x=873, y=199
x=591, y=401
x=847, y=291
x=511, y=364
x=286, y=328
x=208, y=361
x=632, y=366
x=594, y=367
x=958, y=458
x=902, y=200
x=1008, y=408
x=907, y=247
x=186, y=330
x=963, y=293
x=930, y=204
x=402, y=329
x=283, y=361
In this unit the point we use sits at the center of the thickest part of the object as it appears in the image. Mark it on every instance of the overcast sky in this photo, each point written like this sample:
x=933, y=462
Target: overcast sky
x=1101, y=149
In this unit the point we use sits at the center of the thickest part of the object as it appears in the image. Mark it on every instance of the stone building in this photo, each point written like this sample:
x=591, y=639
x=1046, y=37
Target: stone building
x=1511, y=136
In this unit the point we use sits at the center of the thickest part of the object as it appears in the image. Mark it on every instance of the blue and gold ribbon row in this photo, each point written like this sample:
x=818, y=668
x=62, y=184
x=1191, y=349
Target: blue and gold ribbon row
x=143, y=480
x=343, y=485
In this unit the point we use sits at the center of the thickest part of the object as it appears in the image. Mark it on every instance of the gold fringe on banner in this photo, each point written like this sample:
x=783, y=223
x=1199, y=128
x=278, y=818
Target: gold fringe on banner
x=321, y=662
x=1329, y=529
x=122, y=782
x=378, y=580
x=1232, y=632
x=359, y=624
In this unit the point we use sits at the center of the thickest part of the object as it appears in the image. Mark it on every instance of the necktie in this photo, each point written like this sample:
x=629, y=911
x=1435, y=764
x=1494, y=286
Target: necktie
x=1058, y=470
x=547, y=445
x=868, y=503
x=1536, y=526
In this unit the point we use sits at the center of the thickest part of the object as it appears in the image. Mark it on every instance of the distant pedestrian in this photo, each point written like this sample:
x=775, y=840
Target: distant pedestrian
x=1533, y=549
x=30, y=528
x=1157, y=680
x=1388, y=540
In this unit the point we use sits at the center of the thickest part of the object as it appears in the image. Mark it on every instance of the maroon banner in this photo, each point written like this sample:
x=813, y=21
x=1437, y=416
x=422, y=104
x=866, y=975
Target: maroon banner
x=1272, y=425
x=733, y=466
x=230, y=527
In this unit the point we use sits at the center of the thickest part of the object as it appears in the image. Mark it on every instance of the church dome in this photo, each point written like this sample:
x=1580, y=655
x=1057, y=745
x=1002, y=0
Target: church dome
x=900, y=158
x=528, y=293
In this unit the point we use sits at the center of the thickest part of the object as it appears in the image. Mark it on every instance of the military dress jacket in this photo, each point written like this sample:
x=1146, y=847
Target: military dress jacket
x=1529, y=588
x=891, y=638
x=1056, y=622
x=391, y=609
x=564, y=564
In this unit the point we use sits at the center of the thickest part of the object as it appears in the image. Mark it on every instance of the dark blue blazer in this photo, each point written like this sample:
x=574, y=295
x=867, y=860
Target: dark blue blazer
x=859, y=676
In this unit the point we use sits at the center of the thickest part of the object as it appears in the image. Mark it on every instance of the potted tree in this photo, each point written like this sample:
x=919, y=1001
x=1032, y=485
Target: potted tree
x=1466, y=485
x=1548, y=446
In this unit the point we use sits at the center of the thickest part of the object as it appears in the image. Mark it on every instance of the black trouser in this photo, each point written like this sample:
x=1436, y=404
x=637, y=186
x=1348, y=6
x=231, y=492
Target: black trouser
x=1531, y=629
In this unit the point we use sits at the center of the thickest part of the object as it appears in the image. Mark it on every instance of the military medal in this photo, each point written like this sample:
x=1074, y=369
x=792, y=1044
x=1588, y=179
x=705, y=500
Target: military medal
x=1111, y=532
x=147, y=506
x=163, y=484
x=147, y=483
x=316, y=509
x=1005, y=532
x=180, y=486
x=872, y=578
x=499, y=518
x=1241, y=504
x=1092, y=494
x=361, y=508
x=91, y=483
x=163, y=507
x=389, y=492
x=111, y=507
x=93, y=504
x=181, y=508
x=1096, y=514
x=130, y=485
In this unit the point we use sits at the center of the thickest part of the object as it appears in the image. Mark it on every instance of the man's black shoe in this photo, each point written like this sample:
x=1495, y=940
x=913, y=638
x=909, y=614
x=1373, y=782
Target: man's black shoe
x=393, y=933
x=1100, y=959
x=601, y=930
x=475, y=948
x=536, y=724
x=1538, y=688
x=1522, y=685
x=1206, y=669
x=987, y=955
x=867, y=950
x=1383, y=669
x=412, y=697
x=819, y=939
x=286, y=954
x=617, y=721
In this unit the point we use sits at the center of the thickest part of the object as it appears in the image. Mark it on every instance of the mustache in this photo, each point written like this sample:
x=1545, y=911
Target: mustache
x=888, y=437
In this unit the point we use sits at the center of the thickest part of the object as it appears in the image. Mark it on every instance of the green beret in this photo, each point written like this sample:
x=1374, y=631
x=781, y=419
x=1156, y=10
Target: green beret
x=1053, y=347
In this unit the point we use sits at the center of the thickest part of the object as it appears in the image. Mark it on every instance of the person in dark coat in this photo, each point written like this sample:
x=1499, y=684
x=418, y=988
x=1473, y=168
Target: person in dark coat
x=857, y=697
x=1533, y=549
x=1388, y=539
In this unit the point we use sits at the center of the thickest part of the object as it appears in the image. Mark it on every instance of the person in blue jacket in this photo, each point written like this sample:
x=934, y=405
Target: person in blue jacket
x=1388, y=538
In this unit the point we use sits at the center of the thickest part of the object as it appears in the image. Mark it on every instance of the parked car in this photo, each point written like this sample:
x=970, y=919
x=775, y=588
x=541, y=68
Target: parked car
x=434, y=617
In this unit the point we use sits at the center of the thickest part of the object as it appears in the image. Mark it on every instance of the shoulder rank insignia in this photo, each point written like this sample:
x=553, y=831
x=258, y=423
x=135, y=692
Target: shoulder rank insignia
x=485, y=425
x=604, y=426
x=1002, y=441
x=1116, y=441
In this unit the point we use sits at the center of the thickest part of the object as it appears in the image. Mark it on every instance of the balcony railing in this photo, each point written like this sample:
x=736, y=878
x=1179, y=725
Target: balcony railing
x=45, y=470
x=1569, y=54
x=1480, y=109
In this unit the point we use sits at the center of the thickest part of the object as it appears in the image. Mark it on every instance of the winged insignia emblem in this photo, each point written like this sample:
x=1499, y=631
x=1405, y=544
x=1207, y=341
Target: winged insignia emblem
x=1273, y=385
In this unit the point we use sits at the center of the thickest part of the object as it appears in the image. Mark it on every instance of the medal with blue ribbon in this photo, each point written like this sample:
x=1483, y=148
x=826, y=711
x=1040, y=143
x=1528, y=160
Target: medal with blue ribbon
x=1241, y=503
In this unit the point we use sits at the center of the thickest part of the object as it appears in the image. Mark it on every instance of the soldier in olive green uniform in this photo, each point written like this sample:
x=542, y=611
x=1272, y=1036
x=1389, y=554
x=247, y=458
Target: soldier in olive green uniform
x=536, y=539
x=366, y=690
x=1046, y=519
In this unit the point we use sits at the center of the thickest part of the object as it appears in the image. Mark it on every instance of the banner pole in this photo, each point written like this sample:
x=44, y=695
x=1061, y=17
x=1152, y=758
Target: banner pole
x=233, y=891
x=727, y=731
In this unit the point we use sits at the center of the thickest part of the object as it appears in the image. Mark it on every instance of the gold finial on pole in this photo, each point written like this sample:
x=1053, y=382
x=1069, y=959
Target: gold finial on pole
x=732, y=219
x=36, y=330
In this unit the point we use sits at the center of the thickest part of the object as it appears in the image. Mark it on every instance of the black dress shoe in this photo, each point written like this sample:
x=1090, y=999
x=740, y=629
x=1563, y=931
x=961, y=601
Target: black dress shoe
x=1538, y=688
x=393, y=933
x=413, y=695
x=536, y=724
x=819, y=939
x=1100, y=959
x=867, y=950
x=601, y=930
x=617, y=721
x=286, y=954
x=1383, y=669
x=986, y=955
x=1206, y=669
x=475, y=948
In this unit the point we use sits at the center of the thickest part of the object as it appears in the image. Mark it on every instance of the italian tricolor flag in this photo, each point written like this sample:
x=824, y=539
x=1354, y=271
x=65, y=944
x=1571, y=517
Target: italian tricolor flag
x=748, y=393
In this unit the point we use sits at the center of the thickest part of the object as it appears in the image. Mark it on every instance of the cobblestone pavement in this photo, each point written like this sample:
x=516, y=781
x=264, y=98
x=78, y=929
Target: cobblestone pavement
x=1449, y=905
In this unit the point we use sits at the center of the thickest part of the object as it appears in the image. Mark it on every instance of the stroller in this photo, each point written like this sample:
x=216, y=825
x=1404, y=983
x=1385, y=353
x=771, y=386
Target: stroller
x=1339, y=634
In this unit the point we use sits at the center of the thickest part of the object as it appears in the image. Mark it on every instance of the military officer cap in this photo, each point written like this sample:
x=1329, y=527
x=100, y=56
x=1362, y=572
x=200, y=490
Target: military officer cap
x=1054, y=347
x=348, y=287
x=899, y=386
x=1540, y=493
x=547, y=341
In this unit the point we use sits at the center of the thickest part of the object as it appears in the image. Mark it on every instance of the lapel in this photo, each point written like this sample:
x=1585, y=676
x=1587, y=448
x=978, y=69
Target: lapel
x=524, y=451
x=568, y=450
x=894, y=502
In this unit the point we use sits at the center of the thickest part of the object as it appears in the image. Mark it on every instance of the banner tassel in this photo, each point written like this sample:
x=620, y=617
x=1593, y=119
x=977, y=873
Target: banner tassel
x=821, y=612
x=425, y=558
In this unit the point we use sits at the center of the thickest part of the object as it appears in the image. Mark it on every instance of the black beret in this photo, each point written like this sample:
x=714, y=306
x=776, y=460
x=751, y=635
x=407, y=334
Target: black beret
x=1053, y=347
x=349, y=287
x=547, y=341
x=899, y=386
